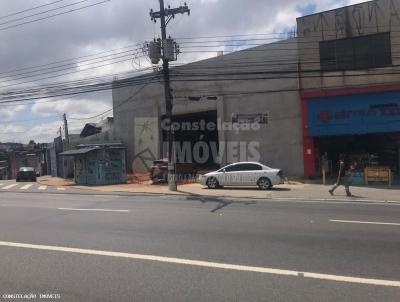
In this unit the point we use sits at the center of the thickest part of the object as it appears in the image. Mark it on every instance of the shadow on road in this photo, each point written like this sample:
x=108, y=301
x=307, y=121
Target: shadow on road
x=221, y=202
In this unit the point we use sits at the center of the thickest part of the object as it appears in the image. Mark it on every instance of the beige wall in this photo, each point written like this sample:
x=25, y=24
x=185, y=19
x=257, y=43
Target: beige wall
x=358, y=20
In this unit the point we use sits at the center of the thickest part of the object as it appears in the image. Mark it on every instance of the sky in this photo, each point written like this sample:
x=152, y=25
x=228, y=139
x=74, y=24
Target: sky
x=110, y=25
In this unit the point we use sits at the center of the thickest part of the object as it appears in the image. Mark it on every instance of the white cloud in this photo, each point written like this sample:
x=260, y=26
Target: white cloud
x=76, y=108
x=9, y=112
x=44, y=132
x=10, y=132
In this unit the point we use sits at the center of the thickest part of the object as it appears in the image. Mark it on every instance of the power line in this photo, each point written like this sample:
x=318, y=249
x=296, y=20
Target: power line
x=30, y=120
x=54, y=15
x=91, y=117
x=130, y=98
x=41, y=13
x=49, y=70
x=82, y=89
x=70, y=59
x=30, y=9
x=86, y=86
x=79, y=83
x=57, y=69
x=110, y=55
x=64, y=74
x=189, y=77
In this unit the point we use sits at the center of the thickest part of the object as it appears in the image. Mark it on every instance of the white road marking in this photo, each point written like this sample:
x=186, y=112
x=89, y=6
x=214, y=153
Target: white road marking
x=368, y=202
x=9, y=186
x=61, y=189
x=215, y=265
x=42, y=188
x=332, y=200
x=366, y=222
x=26, y=187
x=94, y=210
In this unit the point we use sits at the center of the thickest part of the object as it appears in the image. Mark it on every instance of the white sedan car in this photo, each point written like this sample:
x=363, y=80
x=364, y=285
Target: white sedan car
x=243, y=174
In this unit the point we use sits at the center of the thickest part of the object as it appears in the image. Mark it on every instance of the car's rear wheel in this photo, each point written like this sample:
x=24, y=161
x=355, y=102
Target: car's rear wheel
x=264, y=183
x=212, y=183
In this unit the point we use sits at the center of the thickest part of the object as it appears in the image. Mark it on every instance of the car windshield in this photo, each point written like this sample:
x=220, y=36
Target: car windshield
x=26, y=169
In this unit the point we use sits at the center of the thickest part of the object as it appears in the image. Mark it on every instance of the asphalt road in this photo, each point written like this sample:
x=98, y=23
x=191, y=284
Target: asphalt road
x=90, y=247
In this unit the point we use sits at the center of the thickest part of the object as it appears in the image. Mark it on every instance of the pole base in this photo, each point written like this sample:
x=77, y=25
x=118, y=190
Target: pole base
x=172, y=186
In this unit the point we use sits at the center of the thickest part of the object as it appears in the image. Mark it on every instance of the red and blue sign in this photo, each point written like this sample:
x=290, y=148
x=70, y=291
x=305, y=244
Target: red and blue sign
x=354, y=114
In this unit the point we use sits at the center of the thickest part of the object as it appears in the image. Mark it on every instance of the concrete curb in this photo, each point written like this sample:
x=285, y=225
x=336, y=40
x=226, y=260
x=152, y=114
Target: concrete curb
x=182, y=193
x=104, y=192
x=114, y=193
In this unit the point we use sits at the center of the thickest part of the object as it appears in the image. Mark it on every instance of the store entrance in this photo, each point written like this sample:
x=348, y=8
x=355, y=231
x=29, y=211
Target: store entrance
x=368, y=150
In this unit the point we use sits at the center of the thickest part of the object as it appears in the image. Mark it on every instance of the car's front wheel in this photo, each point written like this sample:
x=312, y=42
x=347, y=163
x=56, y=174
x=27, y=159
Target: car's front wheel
x=212, y=183
x=264, y=183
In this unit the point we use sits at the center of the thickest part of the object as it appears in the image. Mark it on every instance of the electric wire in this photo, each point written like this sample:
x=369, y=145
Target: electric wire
x=41, y=13
x=54, y=15
x=30, y=9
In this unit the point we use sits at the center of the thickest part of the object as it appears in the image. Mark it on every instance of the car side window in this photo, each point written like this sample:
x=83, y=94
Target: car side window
x=253, y=167
x=231, y=168
x=241, y=167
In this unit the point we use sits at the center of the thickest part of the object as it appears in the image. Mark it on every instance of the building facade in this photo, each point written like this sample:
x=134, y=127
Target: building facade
x=224, y=111
x=350, y=88
x=334, y=89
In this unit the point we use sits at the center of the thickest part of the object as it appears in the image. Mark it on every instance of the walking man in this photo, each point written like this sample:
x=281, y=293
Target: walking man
x=344, y=175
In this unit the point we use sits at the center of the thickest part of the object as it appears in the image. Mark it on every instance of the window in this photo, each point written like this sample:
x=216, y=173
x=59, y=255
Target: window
x=251, y=167
x=364, y=52
x=243, y=167
x=232, y=168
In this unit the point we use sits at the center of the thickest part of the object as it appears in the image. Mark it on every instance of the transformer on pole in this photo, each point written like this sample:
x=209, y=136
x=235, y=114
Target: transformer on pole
x=169, y=51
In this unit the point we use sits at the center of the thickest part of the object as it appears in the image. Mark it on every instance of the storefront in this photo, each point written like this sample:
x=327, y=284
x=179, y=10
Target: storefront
x=363, y=123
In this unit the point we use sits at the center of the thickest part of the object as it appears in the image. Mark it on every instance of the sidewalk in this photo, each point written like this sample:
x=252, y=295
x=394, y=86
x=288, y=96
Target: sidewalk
x=293, y=190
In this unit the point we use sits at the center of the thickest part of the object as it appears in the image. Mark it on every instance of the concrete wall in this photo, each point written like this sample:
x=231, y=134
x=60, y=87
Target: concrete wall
x=259, y=80
x=358, y=20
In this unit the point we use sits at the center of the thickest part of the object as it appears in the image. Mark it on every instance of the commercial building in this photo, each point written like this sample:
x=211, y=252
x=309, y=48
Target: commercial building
x=350, y=88
x=229, y=108
x=334, y=89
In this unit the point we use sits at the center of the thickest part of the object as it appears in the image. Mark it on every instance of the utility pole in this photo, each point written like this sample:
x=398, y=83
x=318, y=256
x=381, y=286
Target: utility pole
x=66, y=131
x=168, y=54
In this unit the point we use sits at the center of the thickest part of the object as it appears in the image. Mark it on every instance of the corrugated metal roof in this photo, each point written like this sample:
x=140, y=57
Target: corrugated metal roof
x=78, y=151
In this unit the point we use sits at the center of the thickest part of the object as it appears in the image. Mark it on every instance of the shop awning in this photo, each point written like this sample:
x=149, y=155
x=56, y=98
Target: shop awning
x=78, y=151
